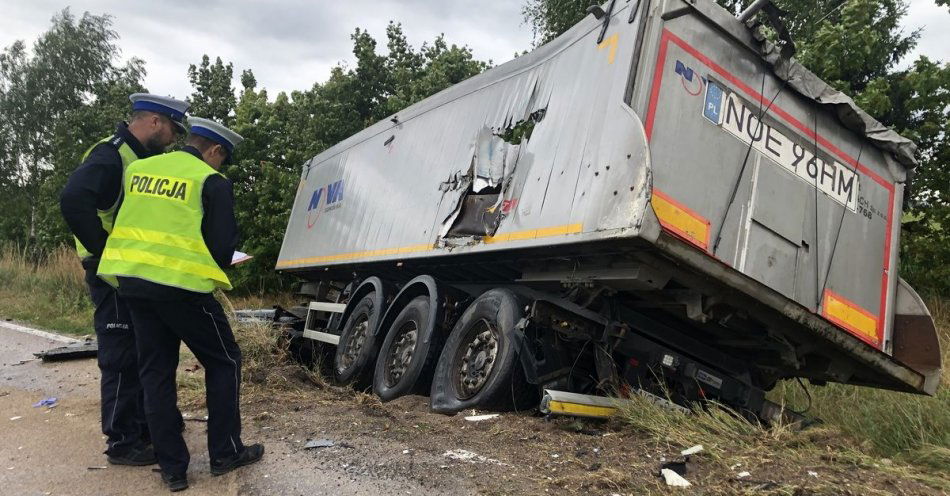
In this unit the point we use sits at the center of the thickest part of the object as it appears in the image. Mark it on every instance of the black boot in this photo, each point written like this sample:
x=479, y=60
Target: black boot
x=175, y=483
x=137, y=456
x=251, y=454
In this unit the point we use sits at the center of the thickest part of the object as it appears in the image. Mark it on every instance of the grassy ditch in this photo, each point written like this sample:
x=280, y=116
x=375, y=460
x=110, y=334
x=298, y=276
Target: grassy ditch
x=896, y=425
x=51, y=294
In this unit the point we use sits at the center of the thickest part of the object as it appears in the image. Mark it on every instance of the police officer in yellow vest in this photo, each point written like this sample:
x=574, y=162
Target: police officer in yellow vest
x=173, y=235
x=89, y=202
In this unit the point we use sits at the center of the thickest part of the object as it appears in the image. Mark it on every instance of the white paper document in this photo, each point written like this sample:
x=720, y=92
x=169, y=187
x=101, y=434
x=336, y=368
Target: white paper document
x=240, y=257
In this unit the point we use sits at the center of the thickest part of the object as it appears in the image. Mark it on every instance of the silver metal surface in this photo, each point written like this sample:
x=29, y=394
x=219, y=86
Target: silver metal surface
x=323, y=337
x=322, y=306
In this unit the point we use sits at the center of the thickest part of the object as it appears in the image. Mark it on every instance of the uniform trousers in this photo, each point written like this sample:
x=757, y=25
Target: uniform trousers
x=122, y=412
x=199, y=321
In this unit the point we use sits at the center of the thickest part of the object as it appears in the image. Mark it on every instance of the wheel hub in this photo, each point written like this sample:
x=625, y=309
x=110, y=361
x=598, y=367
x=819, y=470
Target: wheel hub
x=355, y=344
x=476, y=359
x=400, y=354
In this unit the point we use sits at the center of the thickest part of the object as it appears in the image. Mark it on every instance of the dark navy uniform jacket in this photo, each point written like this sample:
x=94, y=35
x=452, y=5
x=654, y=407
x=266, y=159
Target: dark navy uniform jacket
x=96, y=184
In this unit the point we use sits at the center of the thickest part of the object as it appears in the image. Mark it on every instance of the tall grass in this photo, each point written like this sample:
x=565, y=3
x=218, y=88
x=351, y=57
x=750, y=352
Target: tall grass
x=863, y=424
x=49, y=293
x=892, y=424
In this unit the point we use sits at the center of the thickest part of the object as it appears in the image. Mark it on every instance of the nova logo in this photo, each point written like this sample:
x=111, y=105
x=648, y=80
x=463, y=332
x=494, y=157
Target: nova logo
x=324, y=199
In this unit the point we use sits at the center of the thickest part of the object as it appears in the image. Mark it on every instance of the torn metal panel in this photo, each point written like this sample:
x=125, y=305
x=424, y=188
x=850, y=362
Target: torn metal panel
x=489, y=161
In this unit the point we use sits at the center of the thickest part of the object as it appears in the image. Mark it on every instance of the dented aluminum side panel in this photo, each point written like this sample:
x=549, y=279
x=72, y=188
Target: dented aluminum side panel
x=394, y=190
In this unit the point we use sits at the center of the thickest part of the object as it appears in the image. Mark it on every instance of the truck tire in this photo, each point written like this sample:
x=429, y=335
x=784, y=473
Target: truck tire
x=479, y=365
x=356, y=352
x=409, y=352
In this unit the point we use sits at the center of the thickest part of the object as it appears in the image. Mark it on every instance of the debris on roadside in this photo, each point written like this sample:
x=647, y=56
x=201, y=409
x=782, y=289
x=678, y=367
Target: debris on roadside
x=191, y=418
x=49, y=402
x=692, y=451
x=812, y=473
x=18, y=417
x=479, y=418
x=468, y=456
x=681, y=468
x=673, y=479
x=318, y=443
x=99, y=467
x=84, y=349
x=743, y=475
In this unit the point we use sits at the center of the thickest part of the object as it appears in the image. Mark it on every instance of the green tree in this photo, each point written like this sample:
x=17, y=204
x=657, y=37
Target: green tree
x=55, y=101
x=549, y=18
x=213, y=97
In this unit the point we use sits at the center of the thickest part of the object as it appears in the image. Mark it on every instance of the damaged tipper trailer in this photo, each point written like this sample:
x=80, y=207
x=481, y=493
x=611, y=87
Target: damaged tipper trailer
x=660, y=198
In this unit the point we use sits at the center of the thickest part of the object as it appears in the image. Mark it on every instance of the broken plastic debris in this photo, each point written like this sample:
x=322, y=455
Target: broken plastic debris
x=50, y=402
x=405, y=452
x=18, y=417
x=812, y=473
x=681, y=468
x=318, y=443
x=735, y=466
x=479, y=418
x=692, y=451
x=674, y=479
x=743, y=474
x=100, y=467
x=468, y=456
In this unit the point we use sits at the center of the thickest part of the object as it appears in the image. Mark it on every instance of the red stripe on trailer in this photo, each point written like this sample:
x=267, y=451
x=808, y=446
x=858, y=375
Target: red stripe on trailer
x=658, y=74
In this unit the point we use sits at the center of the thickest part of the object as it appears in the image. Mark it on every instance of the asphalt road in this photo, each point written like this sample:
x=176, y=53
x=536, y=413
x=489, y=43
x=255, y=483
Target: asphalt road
x=58, y=451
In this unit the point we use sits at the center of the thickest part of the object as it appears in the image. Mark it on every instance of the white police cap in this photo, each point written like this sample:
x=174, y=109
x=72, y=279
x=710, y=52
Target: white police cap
x=169, y=107
x=215, y=132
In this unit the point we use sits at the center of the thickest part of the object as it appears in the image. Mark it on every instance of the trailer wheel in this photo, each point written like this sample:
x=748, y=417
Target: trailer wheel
x=356, y=352
x=479, y=365
x=409, y=352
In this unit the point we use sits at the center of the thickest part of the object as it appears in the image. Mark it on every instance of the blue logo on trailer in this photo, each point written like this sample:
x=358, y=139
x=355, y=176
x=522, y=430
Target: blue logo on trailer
x=686, y=78
x=712, y=107
x=334, y=195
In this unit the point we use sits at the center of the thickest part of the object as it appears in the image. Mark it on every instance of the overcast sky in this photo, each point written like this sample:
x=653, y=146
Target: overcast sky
x=290, y=44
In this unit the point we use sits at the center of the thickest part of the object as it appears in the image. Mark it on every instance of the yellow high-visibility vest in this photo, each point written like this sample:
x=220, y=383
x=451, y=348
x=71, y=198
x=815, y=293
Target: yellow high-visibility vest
x=157, y=234
x=107, y=216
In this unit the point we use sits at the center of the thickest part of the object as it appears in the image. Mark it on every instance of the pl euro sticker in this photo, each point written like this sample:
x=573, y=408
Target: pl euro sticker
x=793, y=154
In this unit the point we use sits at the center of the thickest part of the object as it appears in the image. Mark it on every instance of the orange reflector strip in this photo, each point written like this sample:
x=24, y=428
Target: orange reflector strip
x=581, y=410
x=850, y=316
x=679, y=219
x=535, y=233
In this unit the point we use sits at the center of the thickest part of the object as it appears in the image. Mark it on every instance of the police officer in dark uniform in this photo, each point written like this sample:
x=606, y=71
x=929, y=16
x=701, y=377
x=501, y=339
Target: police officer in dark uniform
x=173, y=236
x=89, y=203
